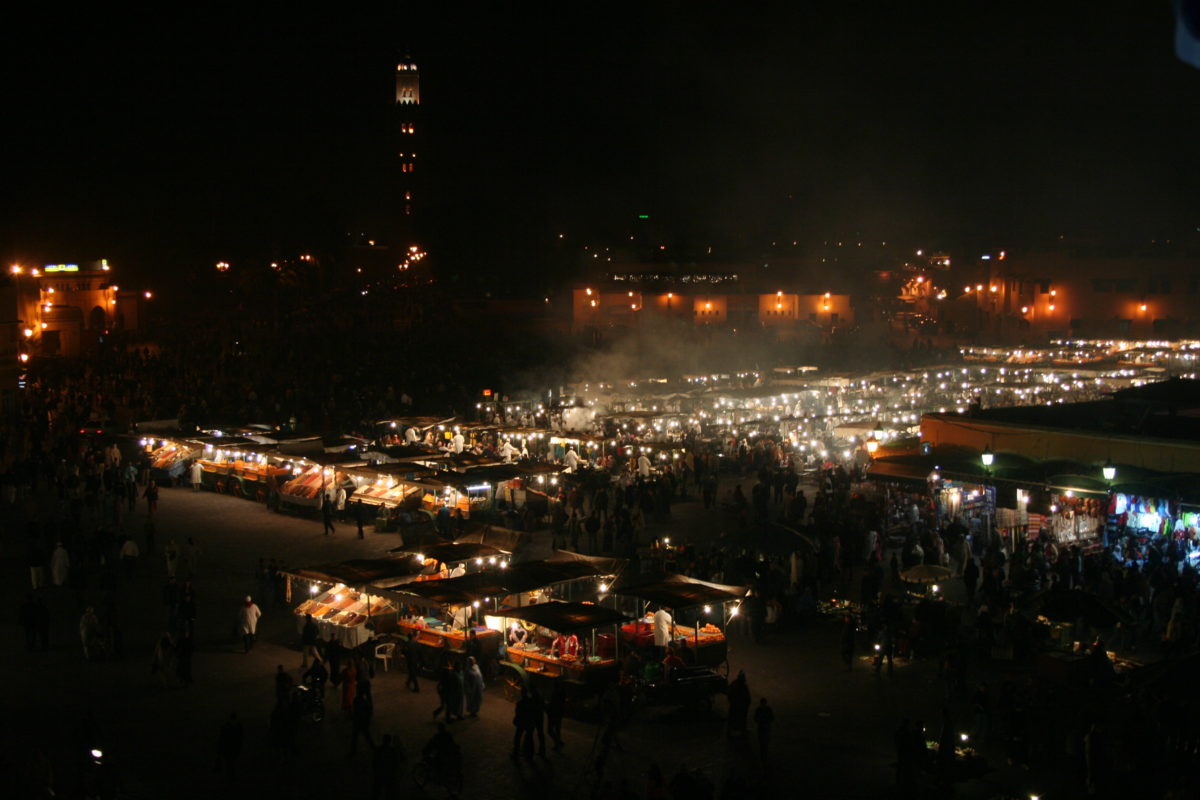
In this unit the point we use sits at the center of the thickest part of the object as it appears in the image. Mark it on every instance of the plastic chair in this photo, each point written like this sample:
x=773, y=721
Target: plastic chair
x=385, y=652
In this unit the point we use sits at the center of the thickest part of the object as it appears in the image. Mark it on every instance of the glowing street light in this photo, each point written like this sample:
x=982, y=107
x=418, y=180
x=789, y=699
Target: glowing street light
x=1109, y=471
x=987, y=457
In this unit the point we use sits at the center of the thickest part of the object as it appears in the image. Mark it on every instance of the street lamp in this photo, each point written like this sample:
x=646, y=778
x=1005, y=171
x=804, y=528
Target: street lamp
x=988, y=458
x=1109, y=470
x=872, y=444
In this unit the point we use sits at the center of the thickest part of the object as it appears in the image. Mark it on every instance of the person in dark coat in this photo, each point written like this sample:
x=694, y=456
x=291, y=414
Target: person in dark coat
x=229, y=746
x=412, y=662
x=523, y=726
x=450, y=694
x=739, y=705
x=849, y=629
x=364, y=709
x=764, y=718
x=360, y=517
x=556, y=707
x=385, y=763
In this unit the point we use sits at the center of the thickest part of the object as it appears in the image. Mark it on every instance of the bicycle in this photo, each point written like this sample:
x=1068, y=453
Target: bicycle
x=447, y=775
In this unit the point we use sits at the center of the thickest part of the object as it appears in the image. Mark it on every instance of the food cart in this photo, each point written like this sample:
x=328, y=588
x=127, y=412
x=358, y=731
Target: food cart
x=585, y=674
x=315, y=474
x=343, y=598
x=169, y=458
x=688, y=599
x=443, y=610
x=241, y=467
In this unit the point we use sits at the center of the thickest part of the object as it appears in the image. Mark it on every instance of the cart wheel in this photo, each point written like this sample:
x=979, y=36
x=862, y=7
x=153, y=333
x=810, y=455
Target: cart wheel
x=512, y=687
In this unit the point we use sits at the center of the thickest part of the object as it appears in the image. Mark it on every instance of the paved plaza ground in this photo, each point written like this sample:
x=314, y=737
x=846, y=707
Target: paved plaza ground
x=832, y=738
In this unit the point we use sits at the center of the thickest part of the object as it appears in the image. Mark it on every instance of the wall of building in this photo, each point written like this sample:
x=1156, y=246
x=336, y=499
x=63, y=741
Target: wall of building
x=1042, y=443
x=597, y=307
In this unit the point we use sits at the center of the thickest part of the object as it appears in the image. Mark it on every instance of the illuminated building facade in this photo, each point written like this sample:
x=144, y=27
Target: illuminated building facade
x=603, y=306
x=1056, y=296
x=61, y=308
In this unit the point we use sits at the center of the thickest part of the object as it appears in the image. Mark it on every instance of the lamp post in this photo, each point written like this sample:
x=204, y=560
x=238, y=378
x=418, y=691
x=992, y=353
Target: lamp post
x=988, y=458
x=1109, y=471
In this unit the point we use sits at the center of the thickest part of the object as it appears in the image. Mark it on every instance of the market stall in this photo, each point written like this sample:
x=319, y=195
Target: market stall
x=169, y=458
x=486, y=596
x=241, y=467
x=343, y=600
x=702, y=603
x=554, y=651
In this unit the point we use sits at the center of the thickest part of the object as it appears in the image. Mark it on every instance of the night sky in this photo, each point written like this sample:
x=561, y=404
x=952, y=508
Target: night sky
x=167, y=141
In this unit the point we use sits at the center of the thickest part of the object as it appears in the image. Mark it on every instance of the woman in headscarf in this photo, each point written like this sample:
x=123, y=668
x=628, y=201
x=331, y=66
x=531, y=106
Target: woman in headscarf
x=473, y=687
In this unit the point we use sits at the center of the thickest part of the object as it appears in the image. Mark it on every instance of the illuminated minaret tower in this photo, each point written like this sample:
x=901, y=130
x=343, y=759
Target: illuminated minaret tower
x=408, y=122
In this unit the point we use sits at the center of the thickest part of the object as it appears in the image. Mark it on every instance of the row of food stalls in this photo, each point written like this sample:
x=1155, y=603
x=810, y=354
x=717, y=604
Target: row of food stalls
x=412, y=485
x=829, y=418
x=563, y=618
x=1059, y=503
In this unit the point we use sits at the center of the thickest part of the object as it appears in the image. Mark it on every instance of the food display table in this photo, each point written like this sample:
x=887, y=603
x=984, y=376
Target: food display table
x=708, y=643
x=539, y=662
x=438, y=643
x=344, y=613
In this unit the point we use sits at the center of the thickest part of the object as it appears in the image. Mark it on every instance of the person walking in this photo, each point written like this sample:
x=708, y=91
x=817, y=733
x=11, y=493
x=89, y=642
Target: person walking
x=248, y=622
x=60, y=565
x=129, y=555
x=229, y=746
x=764, y=718
x=283, y=686
x=349, y=684
x=849, y=629
x=308, y=641
x=556, y=707
x=739, y=705
x=450, y=693
x=412, y=663
x=385, y=763
x=151, y=495
x=191, y=558
x=360, y=716
x=171, y=553
x=537, y=718
x=327, y=514
x=164, y=657
x=523, y=726
x=360, y=516
x=473, y=687
x=89, y=634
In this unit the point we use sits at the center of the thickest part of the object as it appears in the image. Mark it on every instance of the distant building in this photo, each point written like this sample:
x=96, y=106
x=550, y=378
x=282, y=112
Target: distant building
x=61, y=309
x=711, y=297
x=1054, y=295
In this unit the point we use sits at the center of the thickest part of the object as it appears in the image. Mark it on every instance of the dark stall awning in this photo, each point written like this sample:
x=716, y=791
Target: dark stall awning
x=564, y=617
x=680, y=591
